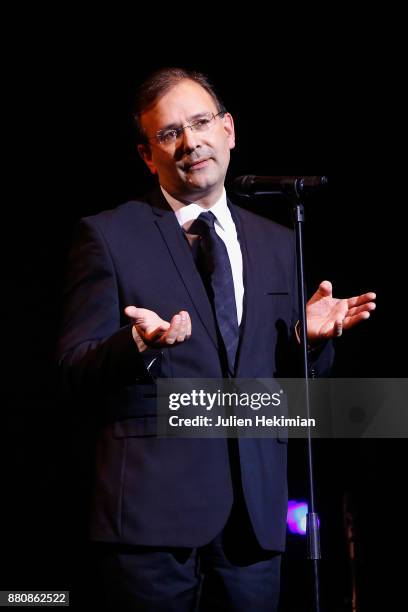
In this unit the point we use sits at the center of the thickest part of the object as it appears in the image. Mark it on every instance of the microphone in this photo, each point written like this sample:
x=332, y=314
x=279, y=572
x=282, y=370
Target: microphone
x=251, y=185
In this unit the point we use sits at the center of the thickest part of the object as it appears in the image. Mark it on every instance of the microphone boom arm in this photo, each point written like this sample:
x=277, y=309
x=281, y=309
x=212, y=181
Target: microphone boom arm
x=251, y=185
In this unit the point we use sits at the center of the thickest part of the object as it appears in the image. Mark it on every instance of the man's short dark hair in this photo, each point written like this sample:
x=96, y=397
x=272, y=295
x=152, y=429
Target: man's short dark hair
x=161, y=81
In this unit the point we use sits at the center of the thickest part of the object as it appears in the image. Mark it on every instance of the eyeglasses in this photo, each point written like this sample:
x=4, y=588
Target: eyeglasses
x=203, y=124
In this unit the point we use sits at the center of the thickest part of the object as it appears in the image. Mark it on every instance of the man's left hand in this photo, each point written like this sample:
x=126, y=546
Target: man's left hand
x=327, y=316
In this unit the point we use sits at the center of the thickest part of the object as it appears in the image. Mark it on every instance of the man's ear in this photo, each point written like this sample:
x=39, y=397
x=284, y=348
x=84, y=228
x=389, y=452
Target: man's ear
x=229, y=128
x=146, y=154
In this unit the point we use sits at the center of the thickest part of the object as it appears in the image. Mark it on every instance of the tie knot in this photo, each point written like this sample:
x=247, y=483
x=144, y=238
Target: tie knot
x=208, y=218
x=203, y=224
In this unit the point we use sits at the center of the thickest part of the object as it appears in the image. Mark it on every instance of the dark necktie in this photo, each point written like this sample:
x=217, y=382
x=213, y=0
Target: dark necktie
x=216, y=268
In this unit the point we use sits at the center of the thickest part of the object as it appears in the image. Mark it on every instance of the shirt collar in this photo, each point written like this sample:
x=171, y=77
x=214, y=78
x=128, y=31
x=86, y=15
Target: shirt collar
x=190, y=212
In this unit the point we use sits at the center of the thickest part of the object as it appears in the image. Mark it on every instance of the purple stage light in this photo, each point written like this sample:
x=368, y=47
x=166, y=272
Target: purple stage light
x=296, y=520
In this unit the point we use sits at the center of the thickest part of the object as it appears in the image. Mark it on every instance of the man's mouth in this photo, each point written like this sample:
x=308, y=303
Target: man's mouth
x=196, y=165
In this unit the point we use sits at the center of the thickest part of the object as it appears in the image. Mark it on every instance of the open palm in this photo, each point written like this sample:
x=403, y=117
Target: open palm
x=327, y=316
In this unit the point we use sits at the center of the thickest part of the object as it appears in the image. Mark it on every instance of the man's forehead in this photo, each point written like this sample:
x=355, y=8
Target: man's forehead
x=184, y=100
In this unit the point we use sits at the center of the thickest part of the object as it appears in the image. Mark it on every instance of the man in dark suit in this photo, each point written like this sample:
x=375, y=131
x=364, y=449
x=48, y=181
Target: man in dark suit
x=186, y=522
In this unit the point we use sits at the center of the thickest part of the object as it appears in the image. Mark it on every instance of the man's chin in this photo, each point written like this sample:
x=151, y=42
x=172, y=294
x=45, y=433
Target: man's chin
x=200, y=182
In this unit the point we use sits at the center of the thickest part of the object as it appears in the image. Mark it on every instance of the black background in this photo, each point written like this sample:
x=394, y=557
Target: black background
x=305, y=102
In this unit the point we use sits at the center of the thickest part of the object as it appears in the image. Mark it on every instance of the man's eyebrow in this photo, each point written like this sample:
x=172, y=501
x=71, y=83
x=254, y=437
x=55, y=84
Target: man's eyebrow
x=169, y=126
x=198, y=115
x=175, y=126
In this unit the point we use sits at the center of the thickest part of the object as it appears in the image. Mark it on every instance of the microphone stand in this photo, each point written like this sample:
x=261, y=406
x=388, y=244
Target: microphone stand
x=295, y=188
x=312, y=521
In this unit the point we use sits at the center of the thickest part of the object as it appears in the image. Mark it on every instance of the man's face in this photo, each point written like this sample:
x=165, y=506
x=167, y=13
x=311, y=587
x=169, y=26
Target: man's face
x=192, y=168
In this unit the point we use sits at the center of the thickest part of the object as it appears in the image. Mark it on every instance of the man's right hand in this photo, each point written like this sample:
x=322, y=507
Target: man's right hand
x=149, y=330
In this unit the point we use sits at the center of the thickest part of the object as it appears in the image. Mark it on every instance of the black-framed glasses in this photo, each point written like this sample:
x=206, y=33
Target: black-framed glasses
x=202, y=124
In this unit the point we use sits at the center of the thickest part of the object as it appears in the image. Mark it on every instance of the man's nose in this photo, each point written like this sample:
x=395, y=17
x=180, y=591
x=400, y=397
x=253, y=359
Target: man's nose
x=190, y=139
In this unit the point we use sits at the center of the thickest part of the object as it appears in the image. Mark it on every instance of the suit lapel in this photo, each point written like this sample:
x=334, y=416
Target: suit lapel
x=180, y=252
x=248, y=323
